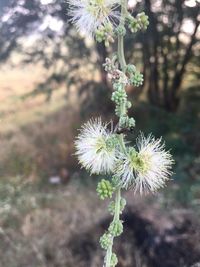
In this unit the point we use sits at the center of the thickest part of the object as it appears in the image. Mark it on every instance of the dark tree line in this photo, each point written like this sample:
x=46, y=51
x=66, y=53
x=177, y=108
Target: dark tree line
x=167, y=56
x=164, y=54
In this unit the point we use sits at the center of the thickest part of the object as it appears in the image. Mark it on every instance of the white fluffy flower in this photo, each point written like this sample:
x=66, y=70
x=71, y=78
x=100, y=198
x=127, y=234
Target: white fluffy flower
x=88, y=15
x=95, y=147
x=146, y=169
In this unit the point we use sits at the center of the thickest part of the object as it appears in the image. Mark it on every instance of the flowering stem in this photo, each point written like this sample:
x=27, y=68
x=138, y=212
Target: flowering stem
x=122, y=61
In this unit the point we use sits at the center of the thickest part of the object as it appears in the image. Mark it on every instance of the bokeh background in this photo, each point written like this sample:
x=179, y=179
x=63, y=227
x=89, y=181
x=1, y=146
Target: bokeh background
x=51, y=81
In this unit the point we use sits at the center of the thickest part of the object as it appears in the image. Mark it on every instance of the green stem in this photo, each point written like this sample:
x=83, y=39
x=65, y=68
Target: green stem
x=116, y=218
x=121, y=56
x=121, y=142
x=117, y=204
x=122, y=61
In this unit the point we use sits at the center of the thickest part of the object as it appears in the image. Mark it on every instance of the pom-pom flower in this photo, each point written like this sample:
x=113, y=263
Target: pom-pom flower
x=147, y=169
x=95, y=147
x=89, y=15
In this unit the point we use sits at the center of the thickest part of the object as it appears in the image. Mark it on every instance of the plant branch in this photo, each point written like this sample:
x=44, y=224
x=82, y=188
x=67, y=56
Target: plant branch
x=122, y=61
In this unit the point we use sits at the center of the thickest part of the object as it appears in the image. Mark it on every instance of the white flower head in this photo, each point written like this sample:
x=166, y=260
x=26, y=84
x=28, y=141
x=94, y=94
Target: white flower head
x=147, y=169
x=89, y=15
x=95, y=147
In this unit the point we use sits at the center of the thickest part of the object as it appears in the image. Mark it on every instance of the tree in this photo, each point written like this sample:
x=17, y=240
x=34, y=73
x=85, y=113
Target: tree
x=59, y=48
x=166, y=55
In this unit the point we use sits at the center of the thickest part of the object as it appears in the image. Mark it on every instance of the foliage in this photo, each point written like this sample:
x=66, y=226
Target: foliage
x=165, y=59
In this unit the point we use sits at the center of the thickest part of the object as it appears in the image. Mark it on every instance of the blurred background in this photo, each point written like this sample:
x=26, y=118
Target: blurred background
x=51, y=81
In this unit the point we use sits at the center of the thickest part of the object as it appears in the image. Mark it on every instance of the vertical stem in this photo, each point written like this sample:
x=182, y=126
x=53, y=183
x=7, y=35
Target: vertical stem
x=121, y=56
x=116, y=217
x=122, y=62
x=117, y=204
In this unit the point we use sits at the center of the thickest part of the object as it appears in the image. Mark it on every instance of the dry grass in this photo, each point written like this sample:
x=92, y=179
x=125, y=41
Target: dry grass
x=60, y=227
x=14, y=110
x=37, y=234
x=36, y=136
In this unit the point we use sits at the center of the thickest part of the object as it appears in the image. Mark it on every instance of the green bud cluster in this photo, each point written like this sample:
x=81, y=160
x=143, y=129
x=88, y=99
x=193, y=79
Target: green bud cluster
x=105, y=34
x=133, y=24
x=141, y=22
x=114, y=260
x=137, y=79
x=126, y=122
x=105, y=241
x=119, y=96
x=108, y=66
x=105, y=189
x=130, y=68
x=111, y=207
x=121, y=30
x=116, y=228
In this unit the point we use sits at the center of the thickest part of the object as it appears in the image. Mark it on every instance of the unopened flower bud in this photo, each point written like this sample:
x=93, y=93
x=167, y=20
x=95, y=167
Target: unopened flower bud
x=105, y=189
x=114, y=260
x=121, y=30
x=105, y=241
x=137, y=79
x=131, y=68
x=143, y=20
x=116, y=228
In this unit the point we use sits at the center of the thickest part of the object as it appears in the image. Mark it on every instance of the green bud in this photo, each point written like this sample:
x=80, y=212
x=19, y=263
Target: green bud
x=133, y=24
x=137, y=79
x=105, y=189
x=119, y=96
x=131, y=68
x=116, y=228
x=114, y=260
x=108, y=27
x=105, y=241
x=105, y=34
x=100, y=35
x=121, y=30
x=143, y=20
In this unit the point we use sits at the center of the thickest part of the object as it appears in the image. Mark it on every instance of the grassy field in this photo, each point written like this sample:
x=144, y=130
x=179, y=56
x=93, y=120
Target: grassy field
x=15, y=111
